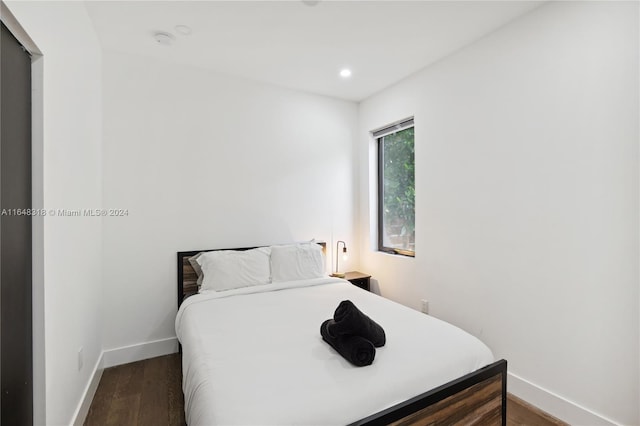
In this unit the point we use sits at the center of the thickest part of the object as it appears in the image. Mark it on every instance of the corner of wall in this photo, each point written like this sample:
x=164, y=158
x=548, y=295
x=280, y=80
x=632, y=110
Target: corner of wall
x=80, y=414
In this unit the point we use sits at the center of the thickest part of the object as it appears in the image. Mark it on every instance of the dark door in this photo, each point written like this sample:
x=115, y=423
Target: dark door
x=16, y=361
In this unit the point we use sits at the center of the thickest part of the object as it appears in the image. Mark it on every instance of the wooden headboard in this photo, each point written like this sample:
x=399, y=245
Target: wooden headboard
x=187, y=277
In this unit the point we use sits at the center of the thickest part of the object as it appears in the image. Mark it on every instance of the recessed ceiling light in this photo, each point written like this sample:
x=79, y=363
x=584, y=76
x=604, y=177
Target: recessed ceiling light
x=345, y=73
x=183, y=29
x=163, y=38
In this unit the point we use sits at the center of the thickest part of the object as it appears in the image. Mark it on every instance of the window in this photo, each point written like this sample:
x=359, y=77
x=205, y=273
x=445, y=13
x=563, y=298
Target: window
x=396, y=188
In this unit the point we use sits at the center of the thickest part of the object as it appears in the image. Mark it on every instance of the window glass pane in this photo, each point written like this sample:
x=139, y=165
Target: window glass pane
x=397, y=197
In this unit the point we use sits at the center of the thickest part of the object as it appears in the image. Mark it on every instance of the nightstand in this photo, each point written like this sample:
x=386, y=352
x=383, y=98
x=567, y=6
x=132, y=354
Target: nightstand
x=358, y=279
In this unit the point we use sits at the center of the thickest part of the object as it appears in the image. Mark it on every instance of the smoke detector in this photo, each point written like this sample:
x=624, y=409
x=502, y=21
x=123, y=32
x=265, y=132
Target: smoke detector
x=164, y=38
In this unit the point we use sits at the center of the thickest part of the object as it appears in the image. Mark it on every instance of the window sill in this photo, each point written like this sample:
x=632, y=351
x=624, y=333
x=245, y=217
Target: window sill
x=398, y=252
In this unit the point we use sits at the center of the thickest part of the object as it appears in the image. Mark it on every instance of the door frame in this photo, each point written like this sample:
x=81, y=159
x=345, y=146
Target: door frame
x=37, y=199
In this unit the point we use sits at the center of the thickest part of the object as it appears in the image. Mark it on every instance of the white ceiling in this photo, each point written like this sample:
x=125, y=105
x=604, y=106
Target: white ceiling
x=295, y=45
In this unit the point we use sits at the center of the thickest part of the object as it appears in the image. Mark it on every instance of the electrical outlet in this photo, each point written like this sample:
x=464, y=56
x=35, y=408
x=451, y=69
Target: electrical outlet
x=80, y=359
x=425, y=306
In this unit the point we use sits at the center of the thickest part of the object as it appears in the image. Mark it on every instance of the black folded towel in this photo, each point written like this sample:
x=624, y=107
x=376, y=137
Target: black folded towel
x=355, y=349
x=349, y=320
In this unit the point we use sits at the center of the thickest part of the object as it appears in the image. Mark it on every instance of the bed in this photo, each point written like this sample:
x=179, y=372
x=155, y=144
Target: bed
x=254, y=356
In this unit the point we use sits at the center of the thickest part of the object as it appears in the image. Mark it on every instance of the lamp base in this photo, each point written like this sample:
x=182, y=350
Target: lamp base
x=338, y=274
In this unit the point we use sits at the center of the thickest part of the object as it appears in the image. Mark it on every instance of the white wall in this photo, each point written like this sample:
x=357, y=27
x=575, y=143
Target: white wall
x=527, y=199
x=527, y=202
x=71, y=151
x=202, y=160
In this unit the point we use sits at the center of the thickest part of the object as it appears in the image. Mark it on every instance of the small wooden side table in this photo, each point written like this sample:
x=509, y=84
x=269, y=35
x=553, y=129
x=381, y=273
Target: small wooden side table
x=359, y=279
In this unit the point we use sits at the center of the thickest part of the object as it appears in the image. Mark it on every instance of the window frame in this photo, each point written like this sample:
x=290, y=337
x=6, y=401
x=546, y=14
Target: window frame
x=379, y=135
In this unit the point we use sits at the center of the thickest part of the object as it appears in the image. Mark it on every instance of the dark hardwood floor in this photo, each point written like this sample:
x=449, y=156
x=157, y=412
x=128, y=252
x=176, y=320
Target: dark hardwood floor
x=520, y=412
x=149, y=392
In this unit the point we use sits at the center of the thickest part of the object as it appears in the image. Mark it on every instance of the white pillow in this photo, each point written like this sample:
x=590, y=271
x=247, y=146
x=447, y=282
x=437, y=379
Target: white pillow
x=229, y=269
x=296, y=262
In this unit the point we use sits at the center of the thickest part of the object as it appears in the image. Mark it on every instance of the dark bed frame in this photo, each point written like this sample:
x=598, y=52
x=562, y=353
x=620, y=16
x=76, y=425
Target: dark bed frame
x=478, y=398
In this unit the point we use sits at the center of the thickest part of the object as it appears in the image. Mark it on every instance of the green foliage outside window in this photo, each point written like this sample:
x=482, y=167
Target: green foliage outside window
x=398, y=190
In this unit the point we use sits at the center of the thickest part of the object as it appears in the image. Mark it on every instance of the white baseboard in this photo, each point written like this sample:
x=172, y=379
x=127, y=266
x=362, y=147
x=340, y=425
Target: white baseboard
x=555, y=405
x=127, y=354
x=81, y=412
x=117, y=356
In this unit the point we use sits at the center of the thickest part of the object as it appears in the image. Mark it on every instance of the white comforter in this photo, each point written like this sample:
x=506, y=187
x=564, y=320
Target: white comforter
x=254, y=356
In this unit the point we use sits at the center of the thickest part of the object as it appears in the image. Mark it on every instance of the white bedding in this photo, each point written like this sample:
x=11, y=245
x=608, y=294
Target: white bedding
x=254, y=356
